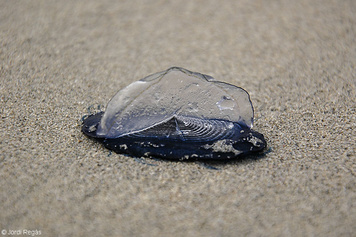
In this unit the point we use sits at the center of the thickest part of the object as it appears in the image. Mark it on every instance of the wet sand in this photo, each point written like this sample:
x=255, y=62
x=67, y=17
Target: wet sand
x=61, y=60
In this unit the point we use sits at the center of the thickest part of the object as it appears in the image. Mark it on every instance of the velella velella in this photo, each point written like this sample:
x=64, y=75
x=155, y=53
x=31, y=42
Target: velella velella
x=178, y=114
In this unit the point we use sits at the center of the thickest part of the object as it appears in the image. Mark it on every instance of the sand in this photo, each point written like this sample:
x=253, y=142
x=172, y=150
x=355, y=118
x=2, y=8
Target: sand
x=60, y=60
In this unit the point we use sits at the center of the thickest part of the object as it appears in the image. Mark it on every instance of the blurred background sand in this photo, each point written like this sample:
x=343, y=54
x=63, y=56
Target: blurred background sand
x=297, y=59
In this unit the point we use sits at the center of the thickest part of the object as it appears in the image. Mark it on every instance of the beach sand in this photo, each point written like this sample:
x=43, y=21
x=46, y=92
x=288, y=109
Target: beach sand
x=61, y=60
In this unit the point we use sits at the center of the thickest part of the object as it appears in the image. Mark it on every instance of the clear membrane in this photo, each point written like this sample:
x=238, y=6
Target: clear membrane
x=173, y=93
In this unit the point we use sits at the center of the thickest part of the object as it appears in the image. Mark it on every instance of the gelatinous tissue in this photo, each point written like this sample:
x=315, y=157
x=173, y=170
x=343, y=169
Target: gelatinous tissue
x=178, y=114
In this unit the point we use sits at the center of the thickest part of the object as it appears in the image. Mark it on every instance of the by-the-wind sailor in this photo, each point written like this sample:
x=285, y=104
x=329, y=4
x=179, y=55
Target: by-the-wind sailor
x=178, y=114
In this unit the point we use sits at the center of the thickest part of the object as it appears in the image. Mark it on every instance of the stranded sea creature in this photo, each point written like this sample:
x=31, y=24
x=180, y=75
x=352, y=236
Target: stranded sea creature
x=178, y=114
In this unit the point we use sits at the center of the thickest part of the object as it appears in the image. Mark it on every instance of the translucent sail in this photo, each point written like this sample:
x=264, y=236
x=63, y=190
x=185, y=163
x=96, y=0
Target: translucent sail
x=175, y=92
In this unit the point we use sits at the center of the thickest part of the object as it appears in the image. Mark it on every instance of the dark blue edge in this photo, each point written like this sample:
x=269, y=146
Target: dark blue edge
x=172, y=149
